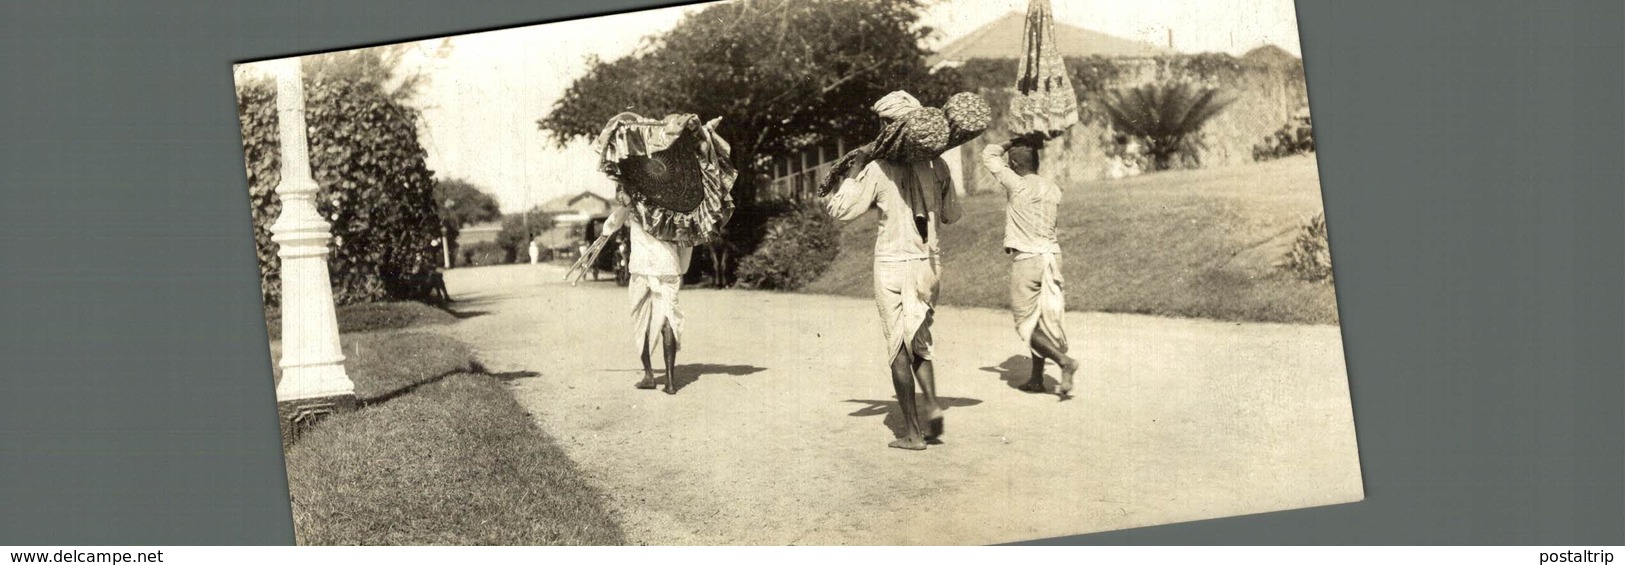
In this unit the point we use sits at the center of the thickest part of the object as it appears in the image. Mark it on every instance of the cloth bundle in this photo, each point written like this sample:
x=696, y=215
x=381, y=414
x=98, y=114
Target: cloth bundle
x=915, y=133
x=676, y=171
x=1045, y=104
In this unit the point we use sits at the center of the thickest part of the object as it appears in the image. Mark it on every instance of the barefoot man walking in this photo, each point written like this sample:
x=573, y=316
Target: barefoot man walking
x=914, y=199
x=1036, y=285
x=672, y=179
x=657, y=269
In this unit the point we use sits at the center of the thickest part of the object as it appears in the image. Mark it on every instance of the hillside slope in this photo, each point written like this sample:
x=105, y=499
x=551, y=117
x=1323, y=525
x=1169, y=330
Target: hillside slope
x=1199, y=244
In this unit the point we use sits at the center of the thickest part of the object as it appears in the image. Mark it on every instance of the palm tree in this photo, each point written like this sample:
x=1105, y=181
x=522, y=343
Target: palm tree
x=1166, y=117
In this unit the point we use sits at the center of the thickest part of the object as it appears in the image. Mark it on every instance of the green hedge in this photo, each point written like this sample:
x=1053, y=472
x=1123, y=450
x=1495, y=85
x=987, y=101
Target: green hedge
x=797, y=246
x=375, y=188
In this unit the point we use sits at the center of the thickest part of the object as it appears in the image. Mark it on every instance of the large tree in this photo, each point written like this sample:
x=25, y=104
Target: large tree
x=384, y=65
x=468, y=205
x=781, y=73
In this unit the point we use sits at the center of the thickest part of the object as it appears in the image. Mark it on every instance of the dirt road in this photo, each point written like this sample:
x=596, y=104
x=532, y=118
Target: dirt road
x=778, y=433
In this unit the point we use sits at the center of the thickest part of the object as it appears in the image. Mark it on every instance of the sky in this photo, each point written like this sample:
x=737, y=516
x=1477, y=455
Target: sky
x=485, y=94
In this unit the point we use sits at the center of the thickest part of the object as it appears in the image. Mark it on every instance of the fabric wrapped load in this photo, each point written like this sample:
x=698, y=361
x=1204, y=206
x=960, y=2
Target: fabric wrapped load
x=1045, y=104
x=676, y=171
x=920, y=135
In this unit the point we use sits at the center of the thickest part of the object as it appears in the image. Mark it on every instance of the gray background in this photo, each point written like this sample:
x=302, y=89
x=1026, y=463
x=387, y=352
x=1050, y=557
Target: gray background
x=1471, y=156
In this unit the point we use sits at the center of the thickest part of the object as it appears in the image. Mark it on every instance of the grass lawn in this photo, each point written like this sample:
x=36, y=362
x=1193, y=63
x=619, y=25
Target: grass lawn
x=438, y=454
x=385, y=363
x=455, y=462
x=1200, y=244
x=373, y=317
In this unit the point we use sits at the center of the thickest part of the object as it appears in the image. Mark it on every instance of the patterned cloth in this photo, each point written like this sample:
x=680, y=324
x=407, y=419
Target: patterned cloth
x=968, y=116
x=1046, y=104
x=676, y=170
x=920, y=135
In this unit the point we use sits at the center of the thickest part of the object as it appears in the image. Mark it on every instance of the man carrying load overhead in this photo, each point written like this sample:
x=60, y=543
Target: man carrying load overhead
x=673, y=179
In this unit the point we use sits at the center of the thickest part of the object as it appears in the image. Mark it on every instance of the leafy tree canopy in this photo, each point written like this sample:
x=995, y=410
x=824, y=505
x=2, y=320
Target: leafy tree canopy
x=779, y=72
x=469, y=204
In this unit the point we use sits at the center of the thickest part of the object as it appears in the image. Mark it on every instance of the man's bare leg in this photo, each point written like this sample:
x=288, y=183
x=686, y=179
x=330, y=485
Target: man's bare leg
x=925, y=374
x=1035, y=383
x=668, y=339
x=648, y=381
x=1045, y=346
x=902, y=380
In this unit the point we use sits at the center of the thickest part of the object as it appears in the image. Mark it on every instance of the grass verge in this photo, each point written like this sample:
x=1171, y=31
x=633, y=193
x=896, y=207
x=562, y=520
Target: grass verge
x=387, y=363
x=375, y=316
x=1197, y=244
x=456, y=462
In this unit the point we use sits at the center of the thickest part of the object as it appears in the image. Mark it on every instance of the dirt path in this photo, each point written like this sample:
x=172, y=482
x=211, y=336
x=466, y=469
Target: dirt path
x=778, y=433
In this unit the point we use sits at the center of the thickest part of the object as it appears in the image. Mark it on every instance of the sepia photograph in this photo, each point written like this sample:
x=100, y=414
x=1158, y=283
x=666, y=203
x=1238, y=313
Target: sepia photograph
x=811, y=272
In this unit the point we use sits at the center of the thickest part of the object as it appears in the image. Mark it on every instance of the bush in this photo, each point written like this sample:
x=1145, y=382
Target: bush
x=796, y=248
x=1295, y=138
x=1310, y=257
x=485, y=253
x=1166, y=118
x=376, y=190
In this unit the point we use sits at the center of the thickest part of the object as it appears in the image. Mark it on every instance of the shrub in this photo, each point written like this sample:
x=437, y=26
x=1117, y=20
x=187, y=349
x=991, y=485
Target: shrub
x=1310, y=257
x=1295, y=138
x=1166, y=117
x=796, y=248
x=376, y=190
x=485, y=253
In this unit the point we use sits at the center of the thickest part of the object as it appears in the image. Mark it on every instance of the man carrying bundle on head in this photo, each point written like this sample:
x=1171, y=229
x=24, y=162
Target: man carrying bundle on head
x=1036, y=285
x=1044, y=107
x=672, y=193
x=902, y=175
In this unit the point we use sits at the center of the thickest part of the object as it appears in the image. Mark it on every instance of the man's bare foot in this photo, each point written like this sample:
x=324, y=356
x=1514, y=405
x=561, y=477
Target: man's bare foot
x=934, y=424
x=670, y=389
x=1035, y=385
x=1067, y=371
x=648, y=383
x=909, y=443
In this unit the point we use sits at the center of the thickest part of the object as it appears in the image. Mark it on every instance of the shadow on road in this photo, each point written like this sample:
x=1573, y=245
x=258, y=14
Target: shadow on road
x=687, y=374
x=1015, y=371
x=894, y=416
x=515, y=375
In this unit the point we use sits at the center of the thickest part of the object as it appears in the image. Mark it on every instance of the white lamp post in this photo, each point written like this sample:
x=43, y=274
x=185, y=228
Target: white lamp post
x=445, y=236
x=314, y=383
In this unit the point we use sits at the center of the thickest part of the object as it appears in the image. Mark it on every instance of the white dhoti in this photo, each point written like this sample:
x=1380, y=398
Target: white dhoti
x=906, y=294
x=654, y=306
x=1037, y=297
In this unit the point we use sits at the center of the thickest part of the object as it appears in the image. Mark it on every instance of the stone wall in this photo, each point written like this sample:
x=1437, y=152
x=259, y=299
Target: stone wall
x=1264, y=98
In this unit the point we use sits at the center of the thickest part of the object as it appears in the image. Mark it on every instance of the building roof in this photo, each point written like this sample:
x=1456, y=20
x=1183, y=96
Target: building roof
x=1002, y=39
x=567, y=203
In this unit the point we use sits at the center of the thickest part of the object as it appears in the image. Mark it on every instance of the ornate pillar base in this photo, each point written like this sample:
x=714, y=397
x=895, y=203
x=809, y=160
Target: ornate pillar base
x=297, y=416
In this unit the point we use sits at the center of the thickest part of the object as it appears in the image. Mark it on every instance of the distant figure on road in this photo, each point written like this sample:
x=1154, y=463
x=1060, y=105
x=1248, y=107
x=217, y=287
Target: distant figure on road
x=1036, y=285
x=914, y=199
x=657, y=269
x=535, y=253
